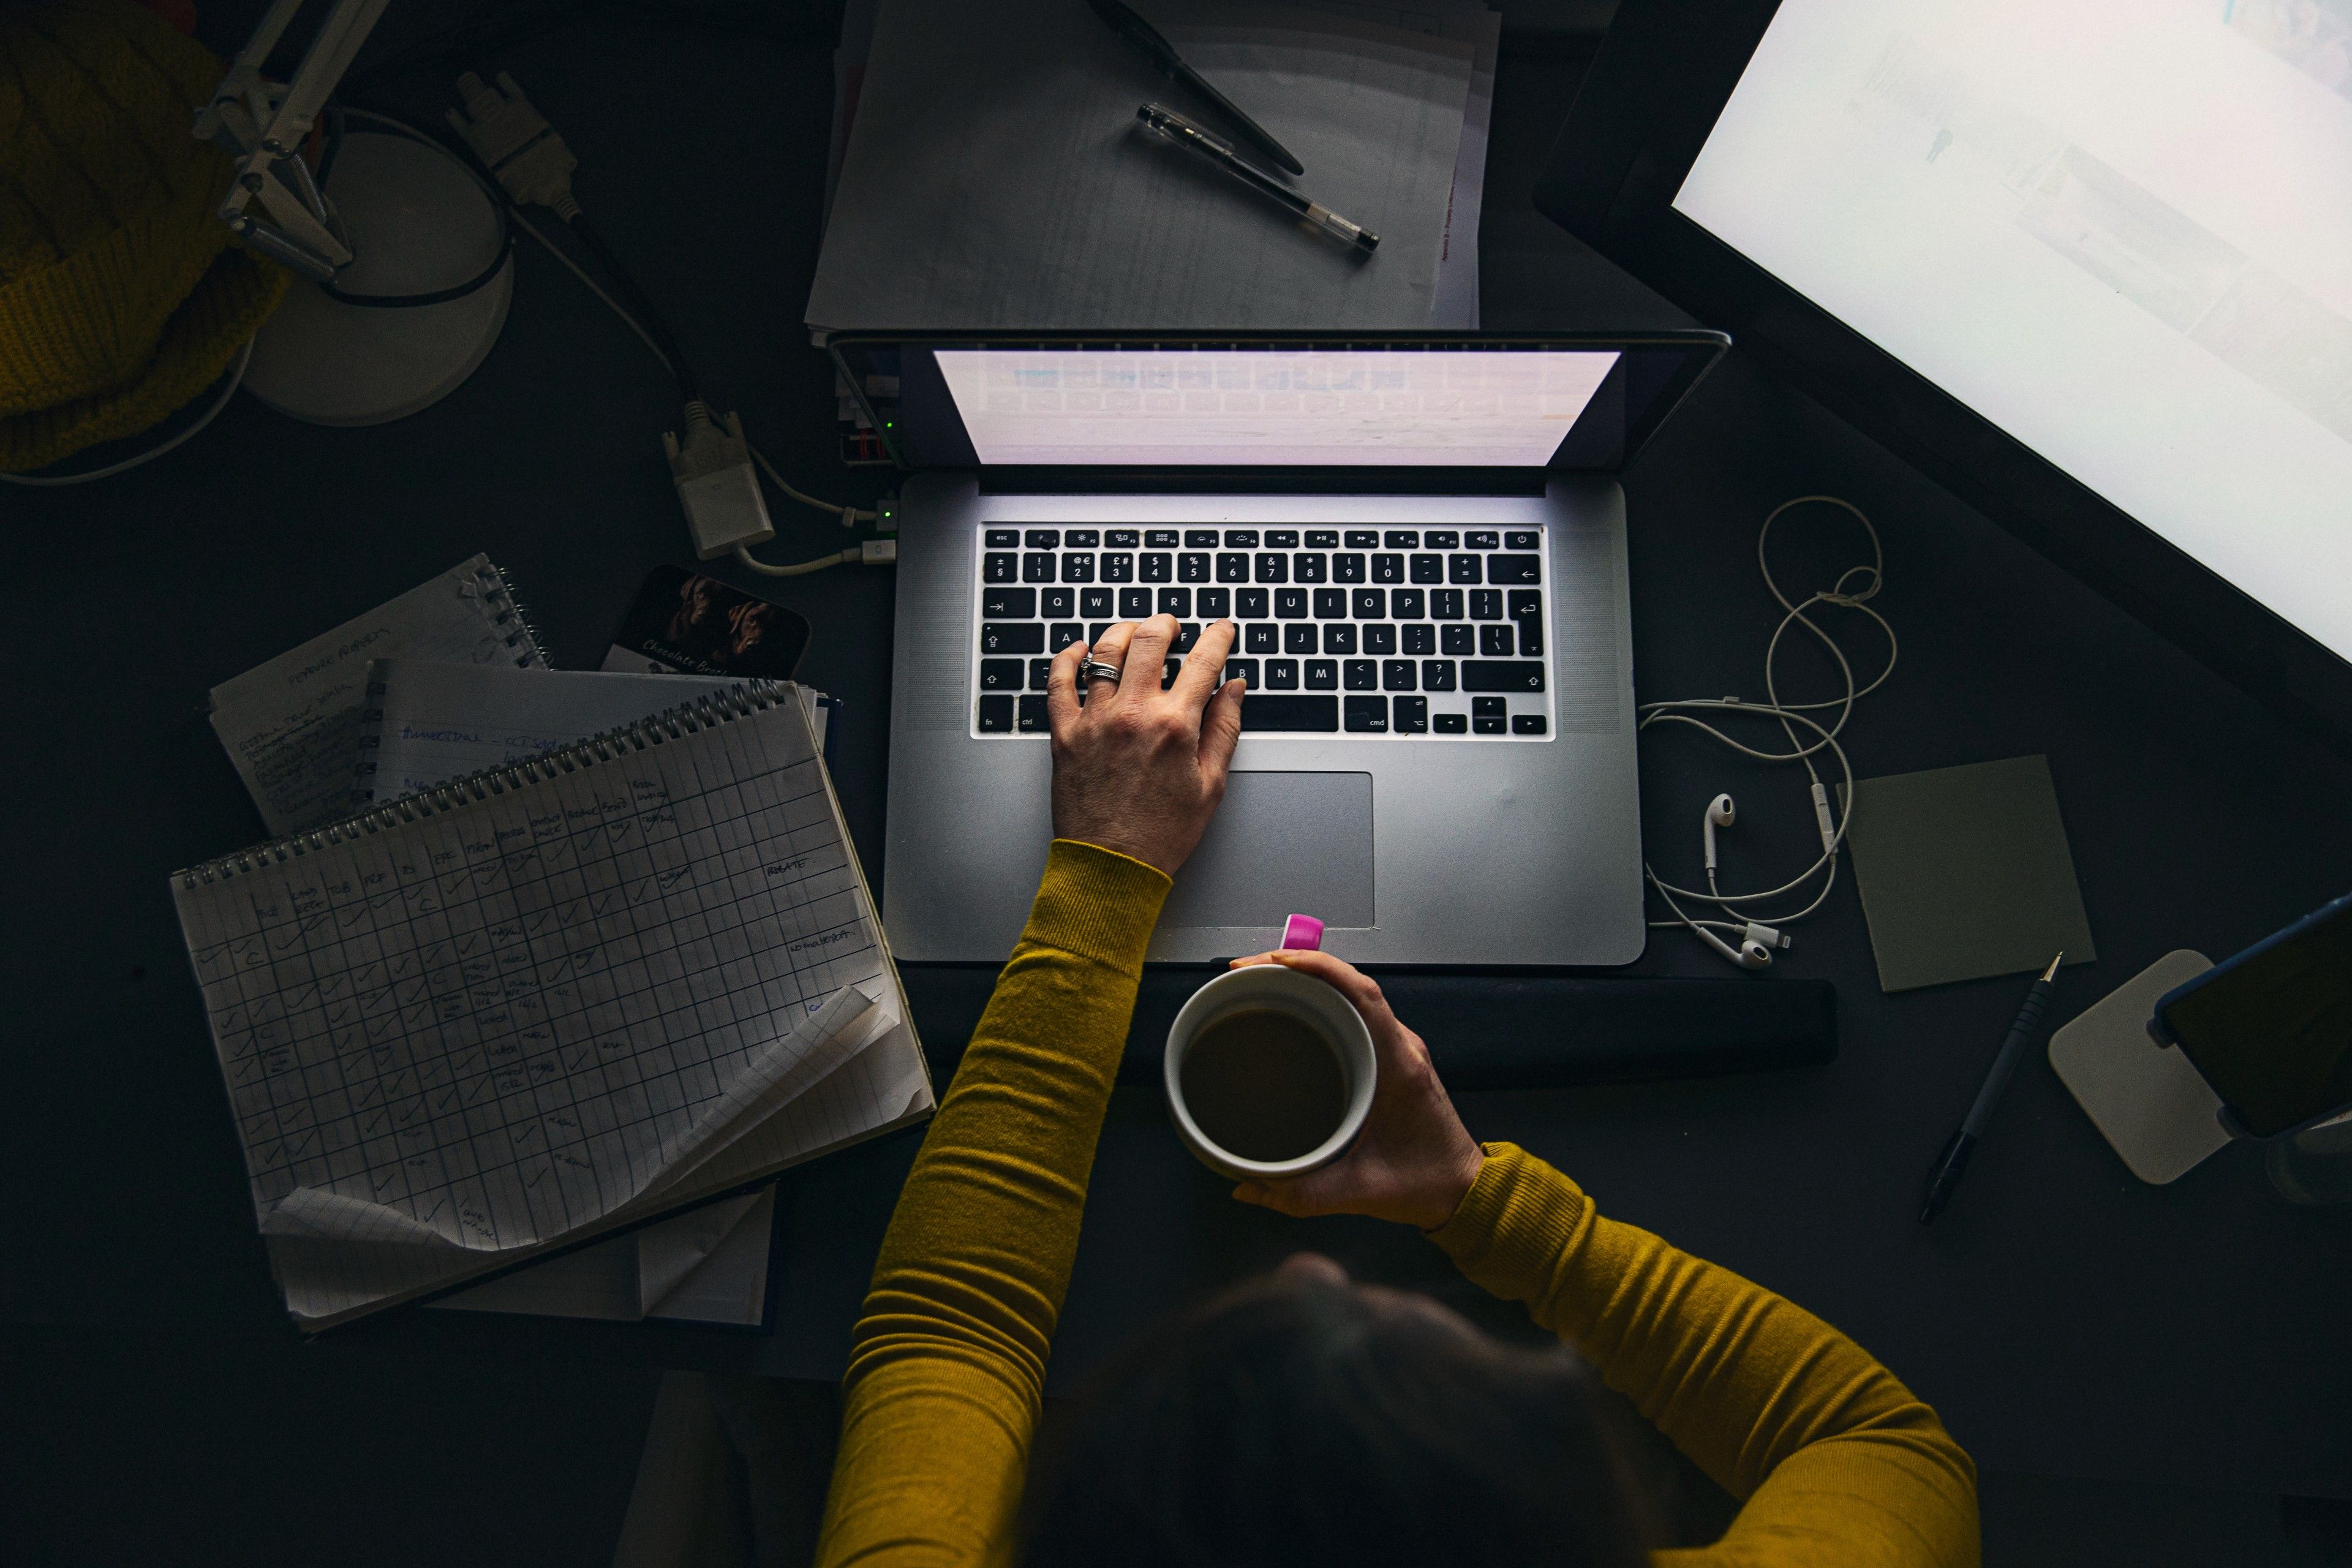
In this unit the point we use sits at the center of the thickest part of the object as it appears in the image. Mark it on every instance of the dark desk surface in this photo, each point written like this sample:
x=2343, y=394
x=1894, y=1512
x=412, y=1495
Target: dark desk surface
x=2064, y=1318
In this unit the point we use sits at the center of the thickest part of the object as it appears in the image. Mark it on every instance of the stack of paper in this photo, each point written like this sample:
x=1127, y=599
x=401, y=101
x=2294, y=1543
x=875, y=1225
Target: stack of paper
x=992, y=176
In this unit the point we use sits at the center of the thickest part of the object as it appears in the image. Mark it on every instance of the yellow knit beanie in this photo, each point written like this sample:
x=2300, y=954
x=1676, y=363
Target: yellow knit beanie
x=121, y=296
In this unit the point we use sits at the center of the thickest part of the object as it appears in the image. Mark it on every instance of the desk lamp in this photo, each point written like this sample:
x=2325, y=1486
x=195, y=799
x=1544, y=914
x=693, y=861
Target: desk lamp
x=406, y=255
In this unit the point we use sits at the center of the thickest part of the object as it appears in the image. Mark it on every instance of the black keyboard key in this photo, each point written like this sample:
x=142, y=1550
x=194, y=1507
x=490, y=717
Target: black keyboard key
x=1451, y=723
x=1494, y=641
x=1281, y=675
x=1370, y=604
x=1232, y=568
x=1488, y=706
x=1420, y=638
x=999, y=568
x=1191, y=568
x=1158, y=568
x=1134, y=603
x=1363, y=539
x=1311, y=568
x=1261, y=637
x=1243, y=670
x=1367, y=715
x=1429, y=568
x=1007, y=604
x=1012, y=636
x=1168, y=673
x=1271, y=568
x=1437, y=674
x=1004, y=539
x=1380, y=639
x=1176, y=601
x=1037, y=567
x=1338, y=638
x=1095, y=603
x=1440, y=539
x=1322, y=675
x=1187, y=634
x=1002, y=675
x=1321, y=539
x=996, y=715
x=1031, y=711
x=1159, y=539
x=1347, y=568
x=1041, y=674
x=1094, y=631
x=1213, y=604
x=1404, y=604
x=1530, y=639
x=1281, y=539
x=1057, y=603
x=1445, y=603
x=1523, y=605
x=1402, y=539
x=1521, y=539
x=1388, y=568
x=1042, y=538
x=1122, y=538
x=1062, y=634
x=1520, y=675
x=1461, y=568
x=1253, y=603
x=1331, y=603
x=1458, y=639
x=1396, y=675
x=1412, y=714
x=1486, y=726
x=1118, y=566
x=1241, y=539
x=1483, y=539
x=1290, y=604
x=1485, y=604
x=1512, y=568
x=1527, y=724
x=1082, y=539
x=1360, y=675
x=1300, y=639
x=1200, y=539
x=1295, y=714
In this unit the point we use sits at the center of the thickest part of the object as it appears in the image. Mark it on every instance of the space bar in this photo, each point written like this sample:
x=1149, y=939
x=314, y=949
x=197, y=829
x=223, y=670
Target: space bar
x=1267, y=711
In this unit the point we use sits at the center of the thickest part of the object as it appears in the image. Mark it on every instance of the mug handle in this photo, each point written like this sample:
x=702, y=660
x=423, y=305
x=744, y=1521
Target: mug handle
x=1303, y=931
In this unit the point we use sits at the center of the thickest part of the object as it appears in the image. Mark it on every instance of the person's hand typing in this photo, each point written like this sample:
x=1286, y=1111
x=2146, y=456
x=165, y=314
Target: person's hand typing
x=1137, y=768
x=1414, y=1160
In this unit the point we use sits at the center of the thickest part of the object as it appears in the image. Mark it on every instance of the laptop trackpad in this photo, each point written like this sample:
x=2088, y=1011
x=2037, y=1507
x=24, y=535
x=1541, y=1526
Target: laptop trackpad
x=1281, y=844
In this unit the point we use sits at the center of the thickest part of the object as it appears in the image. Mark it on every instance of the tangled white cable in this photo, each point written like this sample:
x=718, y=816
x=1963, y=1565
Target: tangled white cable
x=1757, y=935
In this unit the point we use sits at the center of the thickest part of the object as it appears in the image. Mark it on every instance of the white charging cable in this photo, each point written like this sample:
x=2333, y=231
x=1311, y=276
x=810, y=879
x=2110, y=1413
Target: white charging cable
x=1743, y=934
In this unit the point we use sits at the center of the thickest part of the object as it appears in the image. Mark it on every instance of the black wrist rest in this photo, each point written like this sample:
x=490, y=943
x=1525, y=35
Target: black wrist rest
x=1484, y=1031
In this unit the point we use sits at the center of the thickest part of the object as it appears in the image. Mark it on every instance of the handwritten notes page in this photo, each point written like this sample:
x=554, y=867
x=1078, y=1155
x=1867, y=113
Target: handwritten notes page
x=499, y=1018
x=292, y=725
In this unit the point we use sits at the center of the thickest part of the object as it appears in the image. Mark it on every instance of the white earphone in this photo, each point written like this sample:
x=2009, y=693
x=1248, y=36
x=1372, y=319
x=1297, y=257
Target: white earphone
x=1747, y=942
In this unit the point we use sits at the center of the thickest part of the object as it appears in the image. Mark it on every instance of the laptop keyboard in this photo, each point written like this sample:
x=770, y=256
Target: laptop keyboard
x=1425, y=632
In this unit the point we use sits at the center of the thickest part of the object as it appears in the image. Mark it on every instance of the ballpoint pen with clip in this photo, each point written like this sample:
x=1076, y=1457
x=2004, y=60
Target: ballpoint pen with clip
x=1174, y=128
x=1954, y=1161
x=1161, y=52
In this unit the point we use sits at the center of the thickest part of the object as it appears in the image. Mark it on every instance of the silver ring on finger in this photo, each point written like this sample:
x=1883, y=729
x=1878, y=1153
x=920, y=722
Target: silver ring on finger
x=1095, y=669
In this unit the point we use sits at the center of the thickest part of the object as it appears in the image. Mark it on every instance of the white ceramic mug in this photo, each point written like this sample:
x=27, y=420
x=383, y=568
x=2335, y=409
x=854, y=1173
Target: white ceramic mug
x=1274, y=988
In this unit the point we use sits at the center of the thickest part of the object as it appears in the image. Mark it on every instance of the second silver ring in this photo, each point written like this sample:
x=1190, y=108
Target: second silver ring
x=1095, y=669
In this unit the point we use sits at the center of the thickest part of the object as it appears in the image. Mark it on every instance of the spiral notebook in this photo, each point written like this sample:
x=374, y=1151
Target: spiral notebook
x=484, y=1022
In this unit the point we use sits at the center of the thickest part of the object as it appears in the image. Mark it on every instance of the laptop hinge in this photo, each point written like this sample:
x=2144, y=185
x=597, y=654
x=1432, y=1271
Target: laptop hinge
x=1062, y=481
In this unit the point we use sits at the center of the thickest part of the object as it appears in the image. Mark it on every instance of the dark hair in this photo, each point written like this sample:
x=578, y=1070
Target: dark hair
x=1296, y=1422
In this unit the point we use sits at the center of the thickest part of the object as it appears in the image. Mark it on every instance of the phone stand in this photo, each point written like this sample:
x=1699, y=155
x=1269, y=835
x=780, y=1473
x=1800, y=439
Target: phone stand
x=2152, y=1106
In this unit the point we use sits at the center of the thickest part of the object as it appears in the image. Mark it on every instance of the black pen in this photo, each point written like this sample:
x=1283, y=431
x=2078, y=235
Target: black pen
x=1954, y=1161
x=1146, y=38
x=1170, y=126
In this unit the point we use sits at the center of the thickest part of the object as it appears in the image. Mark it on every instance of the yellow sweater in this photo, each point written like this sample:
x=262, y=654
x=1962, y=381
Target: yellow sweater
x=1835, y=1463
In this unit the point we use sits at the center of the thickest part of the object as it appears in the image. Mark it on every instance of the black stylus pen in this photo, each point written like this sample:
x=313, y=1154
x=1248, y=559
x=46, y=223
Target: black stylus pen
x=1170, y=126
x=1954, y=1161
x=1161, y=52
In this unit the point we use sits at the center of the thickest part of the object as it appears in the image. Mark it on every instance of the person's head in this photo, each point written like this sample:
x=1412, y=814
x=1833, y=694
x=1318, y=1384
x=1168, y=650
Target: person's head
x=1300, y=1420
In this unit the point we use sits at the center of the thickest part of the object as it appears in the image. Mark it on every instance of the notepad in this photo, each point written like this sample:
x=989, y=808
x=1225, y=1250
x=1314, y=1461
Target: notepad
x=477, y=1024
x=291, y=725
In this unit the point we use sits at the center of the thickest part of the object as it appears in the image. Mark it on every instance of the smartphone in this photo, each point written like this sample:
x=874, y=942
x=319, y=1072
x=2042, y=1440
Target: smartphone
x=2271, y=1028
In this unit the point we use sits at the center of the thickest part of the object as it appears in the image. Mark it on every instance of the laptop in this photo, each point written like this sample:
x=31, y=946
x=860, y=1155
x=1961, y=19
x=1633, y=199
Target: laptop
x=1422, y=542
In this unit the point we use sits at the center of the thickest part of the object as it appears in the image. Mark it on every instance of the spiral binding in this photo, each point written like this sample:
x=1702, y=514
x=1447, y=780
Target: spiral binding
x=704, y=712
x=509, y=611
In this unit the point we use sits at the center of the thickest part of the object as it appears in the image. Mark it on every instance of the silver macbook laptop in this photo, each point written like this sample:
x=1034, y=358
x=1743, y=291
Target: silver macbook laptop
x=1422, y=545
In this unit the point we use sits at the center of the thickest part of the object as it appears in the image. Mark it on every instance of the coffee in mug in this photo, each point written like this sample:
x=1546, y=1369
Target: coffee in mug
x=1269, y=1073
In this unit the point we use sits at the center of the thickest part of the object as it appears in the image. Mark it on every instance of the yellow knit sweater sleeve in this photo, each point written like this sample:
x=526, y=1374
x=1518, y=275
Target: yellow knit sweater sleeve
x=947, y=1365
x=1835, y=1463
